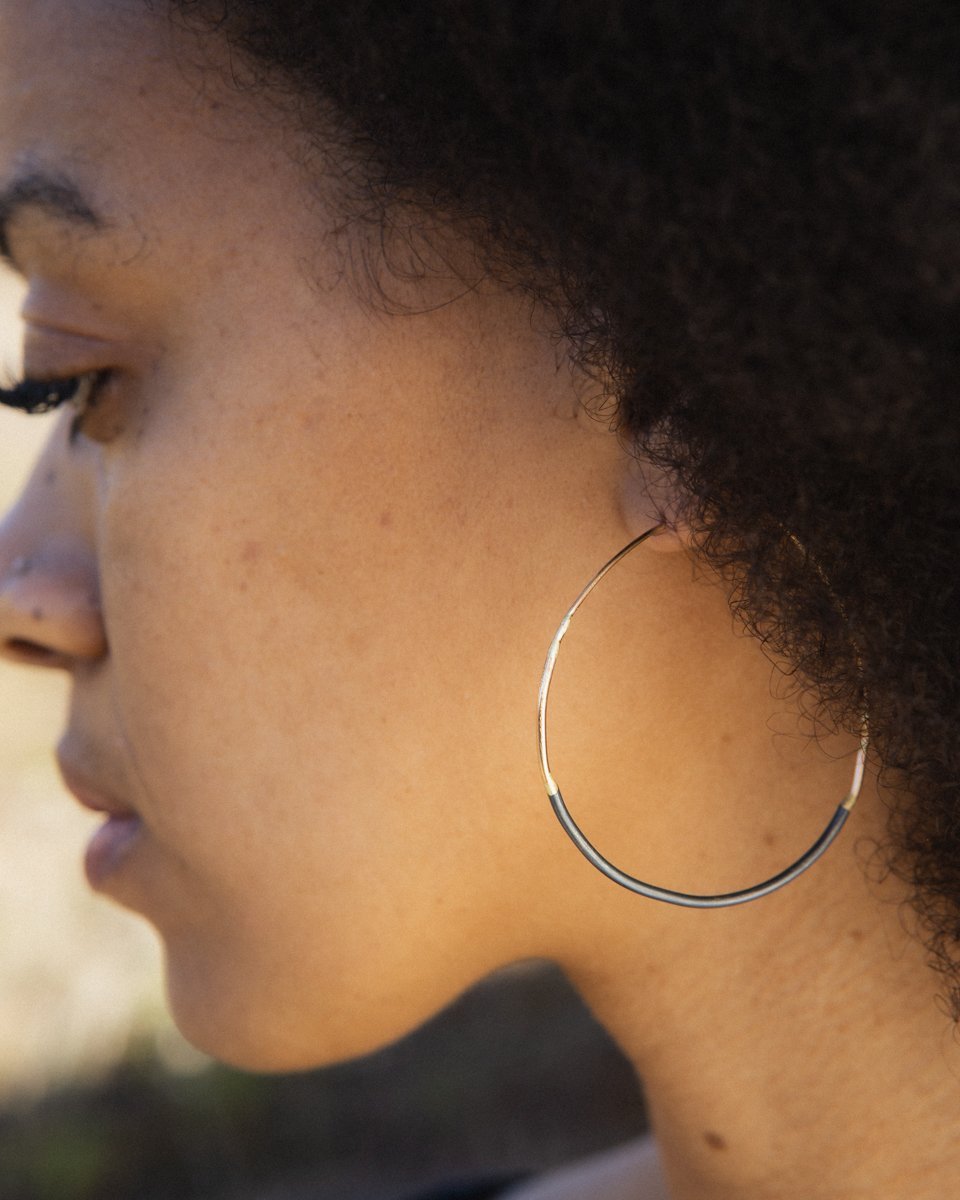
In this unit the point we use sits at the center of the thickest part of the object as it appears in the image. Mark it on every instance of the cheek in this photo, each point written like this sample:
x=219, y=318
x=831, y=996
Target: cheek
x=297, y=725
x=326, y=630
x=289, y=614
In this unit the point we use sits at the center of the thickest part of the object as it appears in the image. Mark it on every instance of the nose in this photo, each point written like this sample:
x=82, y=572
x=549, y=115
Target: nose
x=50, y=611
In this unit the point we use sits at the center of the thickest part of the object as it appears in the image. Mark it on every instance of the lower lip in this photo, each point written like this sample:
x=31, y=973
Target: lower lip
x=110, y=847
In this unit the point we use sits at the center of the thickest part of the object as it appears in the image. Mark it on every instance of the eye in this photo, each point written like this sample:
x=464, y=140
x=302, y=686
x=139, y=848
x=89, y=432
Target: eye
x=44, y=395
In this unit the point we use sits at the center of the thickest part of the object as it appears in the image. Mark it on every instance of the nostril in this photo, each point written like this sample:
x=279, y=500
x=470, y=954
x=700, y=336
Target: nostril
x=49, y=608
x=25, y=651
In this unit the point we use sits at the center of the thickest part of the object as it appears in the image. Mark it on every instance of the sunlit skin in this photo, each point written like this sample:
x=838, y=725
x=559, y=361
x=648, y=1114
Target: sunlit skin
x=302, y=563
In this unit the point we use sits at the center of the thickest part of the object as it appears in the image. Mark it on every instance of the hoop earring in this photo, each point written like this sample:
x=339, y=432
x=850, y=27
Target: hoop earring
x=685, y=899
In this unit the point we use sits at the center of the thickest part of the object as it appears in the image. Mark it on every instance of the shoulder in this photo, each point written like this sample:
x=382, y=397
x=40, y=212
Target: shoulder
x=628, y=1172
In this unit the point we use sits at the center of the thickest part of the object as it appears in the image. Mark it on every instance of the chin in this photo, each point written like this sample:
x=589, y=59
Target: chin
x=258, y=1028
x=246, y=1036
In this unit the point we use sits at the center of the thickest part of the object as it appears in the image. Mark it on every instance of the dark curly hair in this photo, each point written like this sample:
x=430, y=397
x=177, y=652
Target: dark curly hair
x=745, y=216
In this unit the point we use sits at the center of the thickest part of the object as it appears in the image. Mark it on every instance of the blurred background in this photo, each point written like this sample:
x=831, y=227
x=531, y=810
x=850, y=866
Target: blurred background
x=101, y=1099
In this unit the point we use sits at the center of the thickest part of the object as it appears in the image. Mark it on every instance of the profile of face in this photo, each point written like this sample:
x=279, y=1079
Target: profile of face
x=302, y=558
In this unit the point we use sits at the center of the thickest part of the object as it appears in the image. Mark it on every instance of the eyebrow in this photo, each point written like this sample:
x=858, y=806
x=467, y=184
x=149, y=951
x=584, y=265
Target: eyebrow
x=55, y=195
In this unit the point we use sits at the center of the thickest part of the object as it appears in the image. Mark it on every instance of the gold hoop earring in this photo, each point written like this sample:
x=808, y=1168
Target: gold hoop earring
x=590, y=852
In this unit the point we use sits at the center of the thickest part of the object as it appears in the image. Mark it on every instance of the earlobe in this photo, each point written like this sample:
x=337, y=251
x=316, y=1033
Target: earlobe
x=647, y=498
x=671, y=539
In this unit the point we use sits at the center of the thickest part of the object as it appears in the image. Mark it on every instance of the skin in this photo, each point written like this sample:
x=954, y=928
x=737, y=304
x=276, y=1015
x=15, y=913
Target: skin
x=302, y=564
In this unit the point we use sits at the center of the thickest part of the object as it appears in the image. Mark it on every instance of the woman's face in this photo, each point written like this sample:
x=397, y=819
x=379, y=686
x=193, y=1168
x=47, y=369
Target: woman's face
x=302, y=561
x=295, y=558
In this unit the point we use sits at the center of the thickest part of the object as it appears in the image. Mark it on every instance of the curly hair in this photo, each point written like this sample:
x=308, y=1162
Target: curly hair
x=744, y=216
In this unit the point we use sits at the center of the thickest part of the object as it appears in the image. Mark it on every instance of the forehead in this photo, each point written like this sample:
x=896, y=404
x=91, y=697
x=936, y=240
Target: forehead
x=66, y=64
x=135, y=110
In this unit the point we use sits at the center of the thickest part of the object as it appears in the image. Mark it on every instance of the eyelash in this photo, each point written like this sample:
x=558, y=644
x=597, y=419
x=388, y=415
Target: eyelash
x=44, y=395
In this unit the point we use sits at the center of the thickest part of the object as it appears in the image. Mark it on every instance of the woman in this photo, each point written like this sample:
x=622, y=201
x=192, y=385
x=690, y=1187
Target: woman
x=330, y=295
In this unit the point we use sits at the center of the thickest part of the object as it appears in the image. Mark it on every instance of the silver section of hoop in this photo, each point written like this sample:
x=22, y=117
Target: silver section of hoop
x=686, y=899
x=548, y=780
x=858, y=766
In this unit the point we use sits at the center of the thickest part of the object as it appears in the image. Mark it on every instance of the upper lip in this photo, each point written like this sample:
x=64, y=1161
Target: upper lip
x=91, y=794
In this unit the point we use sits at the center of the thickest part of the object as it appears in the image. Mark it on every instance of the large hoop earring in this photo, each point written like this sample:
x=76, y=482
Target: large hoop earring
x=590, y=852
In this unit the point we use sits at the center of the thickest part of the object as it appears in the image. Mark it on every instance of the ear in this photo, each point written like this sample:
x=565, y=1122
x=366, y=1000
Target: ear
x=646, y=498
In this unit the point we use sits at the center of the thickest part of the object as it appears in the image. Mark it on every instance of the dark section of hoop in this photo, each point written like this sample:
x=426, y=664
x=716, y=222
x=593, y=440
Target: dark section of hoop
x=688, y=899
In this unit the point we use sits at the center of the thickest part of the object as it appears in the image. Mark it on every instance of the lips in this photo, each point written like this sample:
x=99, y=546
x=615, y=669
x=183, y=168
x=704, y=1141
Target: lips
x=109, y=849
x=116, y=838
x=90, y=795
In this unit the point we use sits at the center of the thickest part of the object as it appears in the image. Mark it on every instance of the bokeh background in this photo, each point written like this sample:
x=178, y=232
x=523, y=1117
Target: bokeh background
x=100, y=1097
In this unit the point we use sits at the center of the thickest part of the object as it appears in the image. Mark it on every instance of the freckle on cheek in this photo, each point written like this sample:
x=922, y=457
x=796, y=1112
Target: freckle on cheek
x=37, y=614
x=714, y=1140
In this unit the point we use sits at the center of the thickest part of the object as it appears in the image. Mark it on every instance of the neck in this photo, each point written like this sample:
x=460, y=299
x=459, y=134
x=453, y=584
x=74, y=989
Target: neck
x=790, y=1048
